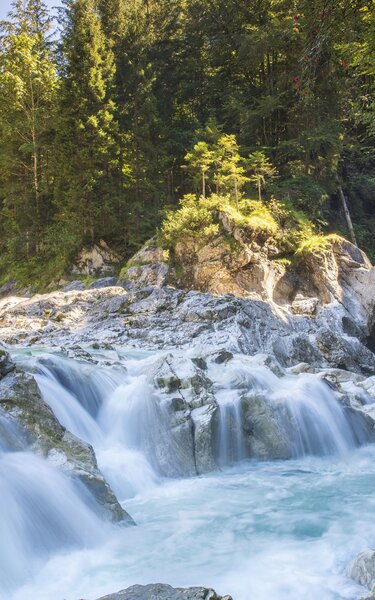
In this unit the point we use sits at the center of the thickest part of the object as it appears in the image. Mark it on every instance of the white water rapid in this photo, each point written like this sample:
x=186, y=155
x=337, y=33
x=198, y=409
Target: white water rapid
x=254, y=529
x=42, y=512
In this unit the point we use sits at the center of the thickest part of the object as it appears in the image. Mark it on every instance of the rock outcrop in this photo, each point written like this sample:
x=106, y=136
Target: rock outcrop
x=362, y=570
x=95, y=261
x=147, y=267
x=158, y=591
x=166, y=317
x=248, y=266
x=39, y=431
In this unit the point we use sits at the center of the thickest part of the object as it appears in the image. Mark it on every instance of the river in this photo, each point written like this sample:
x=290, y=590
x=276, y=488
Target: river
x=282, y=529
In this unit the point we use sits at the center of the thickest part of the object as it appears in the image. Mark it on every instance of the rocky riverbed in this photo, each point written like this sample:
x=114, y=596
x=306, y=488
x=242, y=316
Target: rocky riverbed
x=279, y=372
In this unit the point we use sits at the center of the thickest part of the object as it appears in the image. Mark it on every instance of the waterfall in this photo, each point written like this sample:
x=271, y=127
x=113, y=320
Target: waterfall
x=306, y=414
x=41, y=511
x=113, y=411
x=121, y=414
x=231, y=446
x=313, y=419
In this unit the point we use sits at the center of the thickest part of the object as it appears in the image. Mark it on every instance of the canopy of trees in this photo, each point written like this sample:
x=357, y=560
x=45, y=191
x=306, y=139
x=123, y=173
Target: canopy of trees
x=132, y=104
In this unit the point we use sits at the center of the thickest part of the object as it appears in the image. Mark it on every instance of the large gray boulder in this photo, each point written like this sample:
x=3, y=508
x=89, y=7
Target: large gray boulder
x=159, y=591
x=146, y=268
x=95, y=261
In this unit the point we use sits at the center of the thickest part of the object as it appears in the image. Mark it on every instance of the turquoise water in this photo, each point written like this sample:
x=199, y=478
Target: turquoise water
x=282, y=530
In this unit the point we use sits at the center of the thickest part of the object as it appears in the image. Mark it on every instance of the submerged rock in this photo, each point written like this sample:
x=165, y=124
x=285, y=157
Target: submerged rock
x=159, y=591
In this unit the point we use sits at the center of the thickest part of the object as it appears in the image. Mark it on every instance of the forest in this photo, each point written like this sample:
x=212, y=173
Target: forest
x=124, y=108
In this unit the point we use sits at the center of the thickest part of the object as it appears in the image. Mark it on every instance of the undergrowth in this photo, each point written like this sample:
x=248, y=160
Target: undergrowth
x=201, y=220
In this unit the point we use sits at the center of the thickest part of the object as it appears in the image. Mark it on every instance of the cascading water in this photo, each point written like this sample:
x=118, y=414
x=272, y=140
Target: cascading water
x=41, y=511
x=306, y=412
x=120, y=413
x=231, y=384
x=125, y=418
x=119, y=416
x=314, y=420
x=231, y=447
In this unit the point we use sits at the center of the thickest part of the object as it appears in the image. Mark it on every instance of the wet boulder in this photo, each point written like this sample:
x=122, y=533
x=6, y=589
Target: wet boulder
x=159, y=591
x=362, y=569
x=6, y=364
x=264, y=437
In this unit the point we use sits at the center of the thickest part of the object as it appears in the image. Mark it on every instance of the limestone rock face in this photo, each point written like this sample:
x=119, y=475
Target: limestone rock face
x=95, y=261
x=41, y=433
x=327, y=301
x=147, y=267
x=159, y=591
x=362, y=569
x=166, y=317
x=246, y=267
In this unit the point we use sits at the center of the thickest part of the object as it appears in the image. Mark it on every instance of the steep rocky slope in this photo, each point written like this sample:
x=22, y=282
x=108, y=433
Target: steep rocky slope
x=326, y=319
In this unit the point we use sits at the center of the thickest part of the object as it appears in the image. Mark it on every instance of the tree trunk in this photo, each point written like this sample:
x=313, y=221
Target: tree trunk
x=35, y=159
x=203, y=185
x=236, y=191
x=347, y=216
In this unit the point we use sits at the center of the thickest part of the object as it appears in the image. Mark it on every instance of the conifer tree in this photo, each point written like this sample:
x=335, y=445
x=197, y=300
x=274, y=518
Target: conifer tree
x=230, y=173
x=199, y=161
x=261, y=169
x=28, y=82
x=86, y=147
x=142, y=154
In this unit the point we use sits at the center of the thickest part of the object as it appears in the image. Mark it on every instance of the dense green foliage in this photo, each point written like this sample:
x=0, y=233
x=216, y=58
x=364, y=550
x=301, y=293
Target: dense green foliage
x=137, y=103
x=200, y=218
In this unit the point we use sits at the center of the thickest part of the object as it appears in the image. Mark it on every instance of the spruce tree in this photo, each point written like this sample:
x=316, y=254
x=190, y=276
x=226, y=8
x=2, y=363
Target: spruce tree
x=261, y=170
x=142, y=154
x=28, y=82
x=86, y=142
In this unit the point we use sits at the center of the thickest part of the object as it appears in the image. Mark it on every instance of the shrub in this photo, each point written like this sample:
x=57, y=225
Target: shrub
x=316, y=245
x=194, y=218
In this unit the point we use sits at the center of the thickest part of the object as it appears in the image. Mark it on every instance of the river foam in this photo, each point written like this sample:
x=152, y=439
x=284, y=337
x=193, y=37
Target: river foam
x=256, y=530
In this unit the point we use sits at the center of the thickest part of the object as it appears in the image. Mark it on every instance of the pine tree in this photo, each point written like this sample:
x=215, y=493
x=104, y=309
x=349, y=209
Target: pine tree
x=261, y=169
x=199, y=162
x=28, y=82
x=230, y=173
x=86, y=142
x=143, y=168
